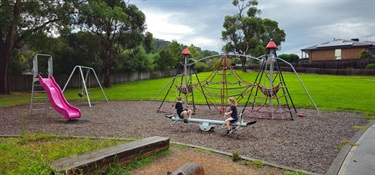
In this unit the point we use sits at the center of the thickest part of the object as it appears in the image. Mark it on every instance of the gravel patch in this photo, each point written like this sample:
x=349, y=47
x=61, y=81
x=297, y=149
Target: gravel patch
x=308, y=143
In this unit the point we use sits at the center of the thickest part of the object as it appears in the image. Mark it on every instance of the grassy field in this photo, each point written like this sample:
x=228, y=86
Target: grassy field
x=349, y=93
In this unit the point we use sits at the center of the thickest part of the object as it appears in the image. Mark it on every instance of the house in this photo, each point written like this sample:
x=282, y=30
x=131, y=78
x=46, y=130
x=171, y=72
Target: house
x=338, y=49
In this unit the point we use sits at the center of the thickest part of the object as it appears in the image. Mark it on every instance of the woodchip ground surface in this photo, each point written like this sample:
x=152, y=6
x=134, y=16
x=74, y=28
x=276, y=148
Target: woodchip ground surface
x=308, y=143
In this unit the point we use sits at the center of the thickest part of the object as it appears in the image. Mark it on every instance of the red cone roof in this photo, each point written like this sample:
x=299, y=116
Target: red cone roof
x=185, y=52
x=271, y=45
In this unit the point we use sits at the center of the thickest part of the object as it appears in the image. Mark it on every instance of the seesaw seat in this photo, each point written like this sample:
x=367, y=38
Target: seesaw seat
x=207, y=125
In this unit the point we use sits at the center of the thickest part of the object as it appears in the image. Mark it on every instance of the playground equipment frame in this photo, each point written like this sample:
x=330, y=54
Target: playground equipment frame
x=35, y=79
x=84, y=79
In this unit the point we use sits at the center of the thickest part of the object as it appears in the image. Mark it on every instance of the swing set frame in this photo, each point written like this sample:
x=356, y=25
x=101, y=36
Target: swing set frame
x=85, y=79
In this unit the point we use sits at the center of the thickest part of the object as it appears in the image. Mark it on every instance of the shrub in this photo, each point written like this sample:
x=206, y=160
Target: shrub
x=255, y=163
x=365, y=54
x=200, y=67
x=236, y=157
x=370, y=66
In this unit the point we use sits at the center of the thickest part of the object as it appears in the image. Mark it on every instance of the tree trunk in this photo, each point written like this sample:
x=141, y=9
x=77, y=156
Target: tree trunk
x=4, y=63
x=6, y=48
x=107, y=80
x=243, y=66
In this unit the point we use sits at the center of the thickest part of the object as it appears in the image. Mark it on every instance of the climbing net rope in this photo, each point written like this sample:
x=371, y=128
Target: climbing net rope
x=223, y=83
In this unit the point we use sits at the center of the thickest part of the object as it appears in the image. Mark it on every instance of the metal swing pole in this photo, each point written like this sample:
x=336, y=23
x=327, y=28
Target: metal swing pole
x=84, y=85
x=71, y=74
x=97, y=79
x=299, y=79
x=285, y=88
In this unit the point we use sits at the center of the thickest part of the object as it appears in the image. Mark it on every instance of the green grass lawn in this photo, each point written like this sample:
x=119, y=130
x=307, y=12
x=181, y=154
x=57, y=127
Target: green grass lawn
x=33, y=154
x=349, y=93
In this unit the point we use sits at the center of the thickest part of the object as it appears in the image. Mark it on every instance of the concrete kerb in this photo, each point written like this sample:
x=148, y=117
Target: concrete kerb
x=340, y=158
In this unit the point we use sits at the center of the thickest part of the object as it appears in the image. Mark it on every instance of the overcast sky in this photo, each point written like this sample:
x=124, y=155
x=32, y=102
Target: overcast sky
x=305, y=22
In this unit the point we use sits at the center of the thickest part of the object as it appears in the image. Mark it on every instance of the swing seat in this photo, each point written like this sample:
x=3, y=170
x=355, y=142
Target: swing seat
x=184, y=89
x=269, y=92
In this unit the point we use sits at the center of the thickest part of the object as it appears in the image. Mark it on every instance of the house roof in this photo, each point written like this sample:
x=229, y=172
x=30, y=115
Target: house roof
x=340, y=43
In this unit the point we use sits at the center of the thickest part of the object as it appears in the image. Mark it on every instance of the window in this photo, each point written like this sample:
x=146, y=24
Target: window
x=338, y=54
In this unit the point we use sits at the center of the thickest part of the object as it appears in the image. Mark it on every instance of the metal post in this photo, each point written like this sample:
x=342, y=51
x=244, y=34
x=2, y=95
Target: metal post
x=184, y=81
x=271, y=60
x=84, y=85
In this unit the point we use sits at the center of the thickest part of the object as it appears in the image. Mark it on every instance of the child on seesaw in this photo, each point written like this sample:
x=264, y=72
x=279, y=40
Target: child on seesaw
x=181, y=112
x=232, y=112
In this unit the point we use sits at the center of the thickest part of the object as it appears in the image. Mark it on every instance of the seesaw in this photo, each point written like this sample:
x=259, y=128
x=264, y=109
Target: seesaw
x=207, y=125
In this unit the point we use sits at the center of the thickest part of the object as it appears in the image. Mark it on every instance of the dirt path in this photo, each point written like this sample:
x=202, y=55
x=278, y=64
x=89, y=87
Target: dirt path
x=212, y=163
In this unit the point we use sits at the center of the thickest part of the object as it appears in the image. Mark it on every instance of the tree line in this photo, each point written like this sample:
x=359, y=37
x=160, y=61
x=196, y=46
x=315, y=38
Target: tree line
x=111, y=36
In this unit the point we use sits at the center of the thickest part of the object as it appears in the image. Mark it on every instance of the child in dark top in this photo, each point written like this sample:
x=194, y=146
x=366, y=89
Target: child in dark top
x=181, y=112
x=232, y=112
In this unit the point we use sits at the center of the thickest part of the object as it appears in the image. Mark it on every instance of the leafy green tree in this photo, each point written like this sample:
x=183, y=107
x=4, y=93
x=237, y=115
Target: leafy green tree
x=117, y=25
x=207, y=53
x=291, y=58
x=175, y=49
x=148, y=42
x=165, y=60
x=246, y=33
x=20, y=61
x=294, y=58
x=80, y=49
x=365, y=54
x=285, y=57
x=134, y=60
x=194, y=53
x=21, y=21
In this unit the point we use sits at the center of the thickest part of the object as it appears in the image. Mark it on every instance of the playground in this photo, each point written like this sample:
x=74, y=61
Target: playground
x=307, y=140
x=307, y=143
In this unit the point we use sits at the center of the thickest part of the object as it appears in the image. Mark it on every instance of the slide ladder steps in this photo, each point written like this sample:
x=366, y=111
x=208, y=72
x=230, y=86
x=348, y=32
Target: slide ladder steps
x=37, y=92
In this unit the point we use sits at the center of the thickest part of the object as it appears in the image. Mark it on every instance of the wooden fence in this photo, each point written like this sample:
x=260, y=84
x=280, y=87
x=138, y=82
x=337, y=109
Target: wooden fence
x=333, y=67
x=347, y=67
x=336, y=64
x=24, y=82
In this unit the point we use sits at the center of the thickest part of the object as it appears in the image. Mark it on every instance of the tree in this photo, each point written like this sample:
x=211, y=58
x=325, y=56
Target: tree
x=248, y=34
x=294, y=58
x=285, y=57
x=175, y=49
x=117, y=25
x=20, y=21
x=365, y=53
x=291, y=58
x=165, y=60
x=148, y=42
x=194, y=53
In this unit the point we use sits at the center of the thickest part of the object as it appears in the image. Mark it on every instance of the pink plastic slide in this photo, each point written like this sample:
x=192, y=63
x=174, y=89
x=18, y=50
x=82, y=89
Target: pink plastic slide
x=57, y=99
